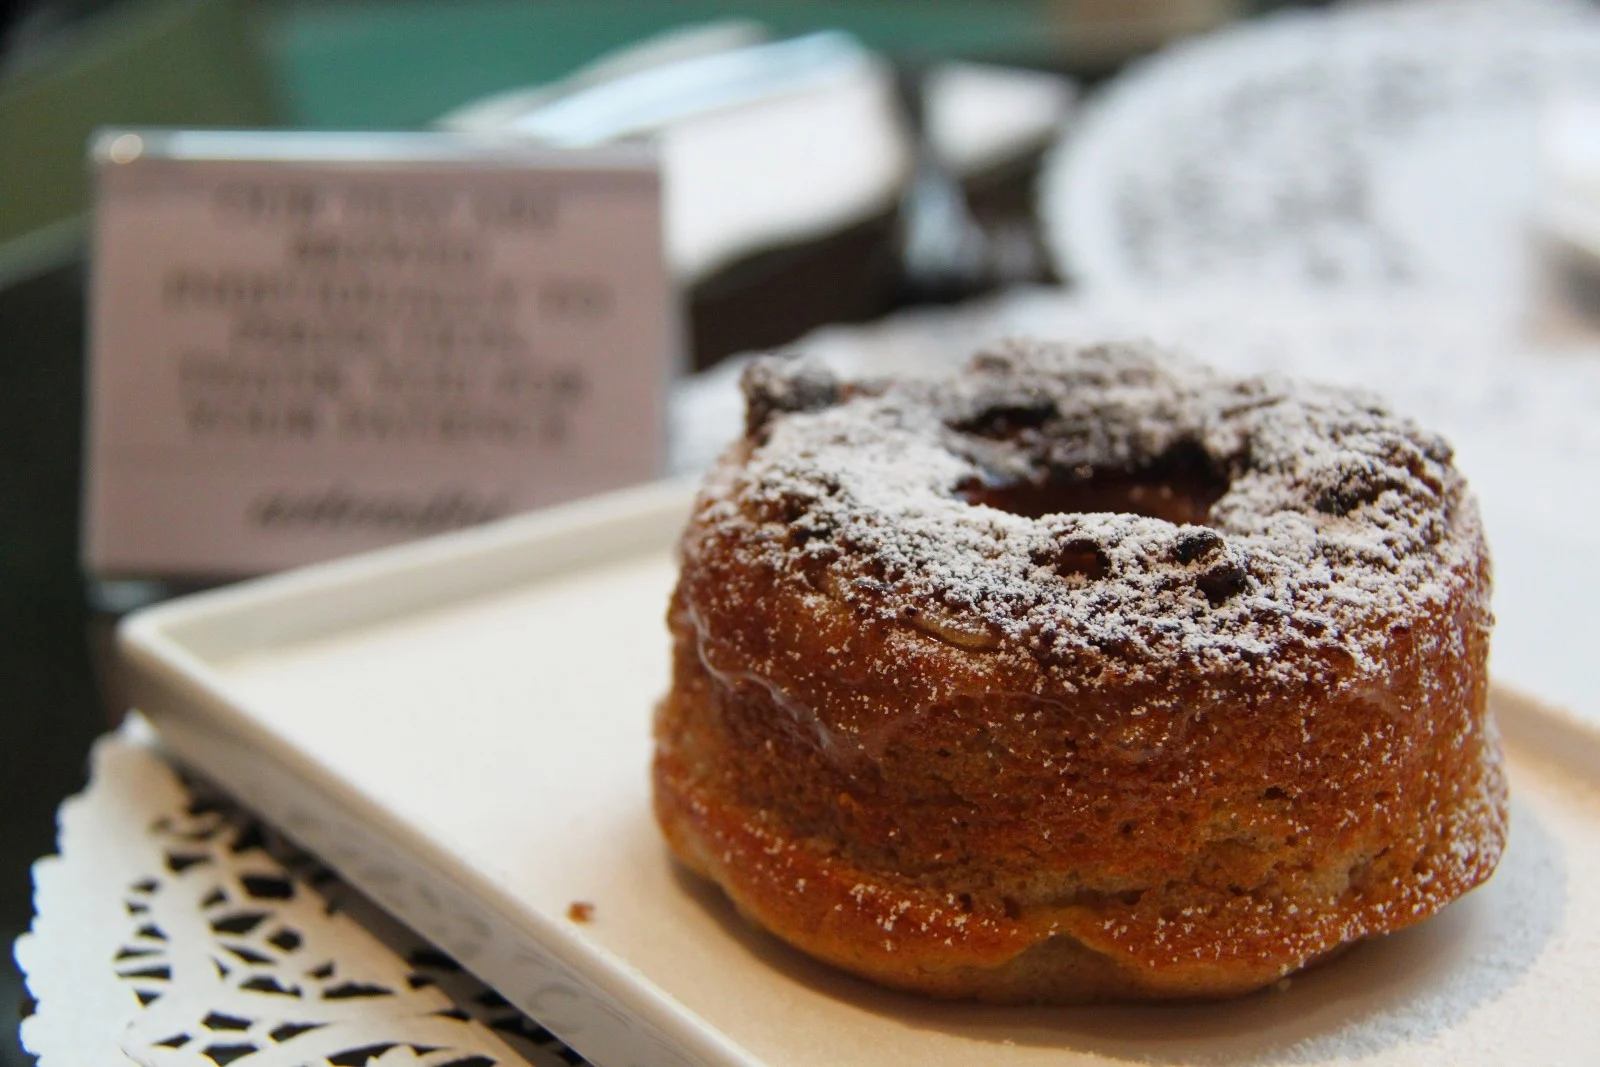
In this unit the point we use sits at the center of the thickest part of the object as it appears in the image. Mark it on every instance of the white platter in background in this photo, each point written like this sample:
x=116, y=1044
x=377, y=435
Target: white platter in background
x=462, y=728
x=1368, y=147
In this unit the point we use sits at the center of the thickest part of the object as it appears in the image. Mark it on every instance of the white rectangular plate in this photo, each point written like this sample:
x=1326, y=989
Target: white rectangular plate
x=462, y=728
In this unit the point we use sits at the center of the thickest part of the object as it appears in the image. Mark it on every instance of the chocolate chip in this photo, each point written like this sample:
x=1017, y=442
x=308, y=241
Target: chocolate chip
x=1224, y=580
x=1194, y=543
x=774, y=385
x=1082, y=558
x=1339, y=500
x=1005, y=417
x=793, y=506
x=802, y=535
x=1341, y=491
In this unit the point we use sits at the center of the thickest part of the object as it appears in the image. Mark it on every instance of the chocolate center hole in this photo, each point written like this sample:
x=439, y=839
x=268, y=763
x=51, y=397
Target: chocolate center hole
x=1177, y=489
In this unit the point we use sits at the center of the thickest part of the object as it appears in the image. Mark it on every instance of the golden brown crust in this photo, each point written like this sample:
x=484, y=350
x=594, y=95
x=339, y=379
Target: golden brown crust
x=943, y=800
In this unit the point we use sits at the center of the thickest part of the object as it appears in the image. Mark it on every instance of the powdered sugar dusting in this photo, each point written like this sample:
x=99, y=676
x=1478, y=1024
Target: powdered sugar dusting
x=1338, y=518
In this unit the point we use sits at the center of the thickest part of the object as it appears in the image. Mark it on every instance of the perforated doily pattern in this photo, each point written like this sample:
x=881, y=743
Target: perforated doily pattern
x=1372, y=146
x=176, y=930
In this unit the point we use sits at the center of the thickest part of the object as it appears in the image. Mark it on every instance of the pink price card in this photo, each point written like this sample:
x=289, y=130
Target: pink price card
x=306, y=345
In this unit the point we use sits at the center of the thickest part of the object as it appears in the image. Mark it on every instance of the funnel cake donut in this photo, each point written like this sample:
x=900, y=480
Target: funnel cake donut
x=1088, y=673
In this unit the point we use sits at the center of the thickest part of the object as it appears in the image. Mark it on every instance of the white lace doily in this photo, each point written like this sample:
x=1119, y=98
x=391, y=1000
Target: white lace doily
x=1368, y=146
x=176, y=930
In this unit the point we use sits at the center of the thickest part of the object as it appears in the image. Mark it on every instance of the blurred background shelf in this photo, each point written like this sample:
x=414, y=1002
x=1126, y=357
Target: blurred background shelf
x=70, y=66
x=358, y=65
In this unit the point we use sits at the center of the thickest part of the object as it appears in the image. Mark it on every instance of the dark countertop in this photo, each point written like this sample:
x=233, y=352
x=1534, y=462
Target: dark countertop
x=49, y=707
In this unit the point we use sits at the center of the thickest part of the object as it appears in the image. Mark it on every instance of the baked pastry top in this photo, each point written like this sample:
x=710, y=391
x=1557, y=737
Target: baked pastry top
x=1085, y=673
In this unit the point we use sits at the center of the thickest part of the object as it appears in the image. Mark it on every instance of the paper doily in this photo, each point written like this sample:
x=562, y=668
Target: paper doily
x=1371, y=146
x=174, y=929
